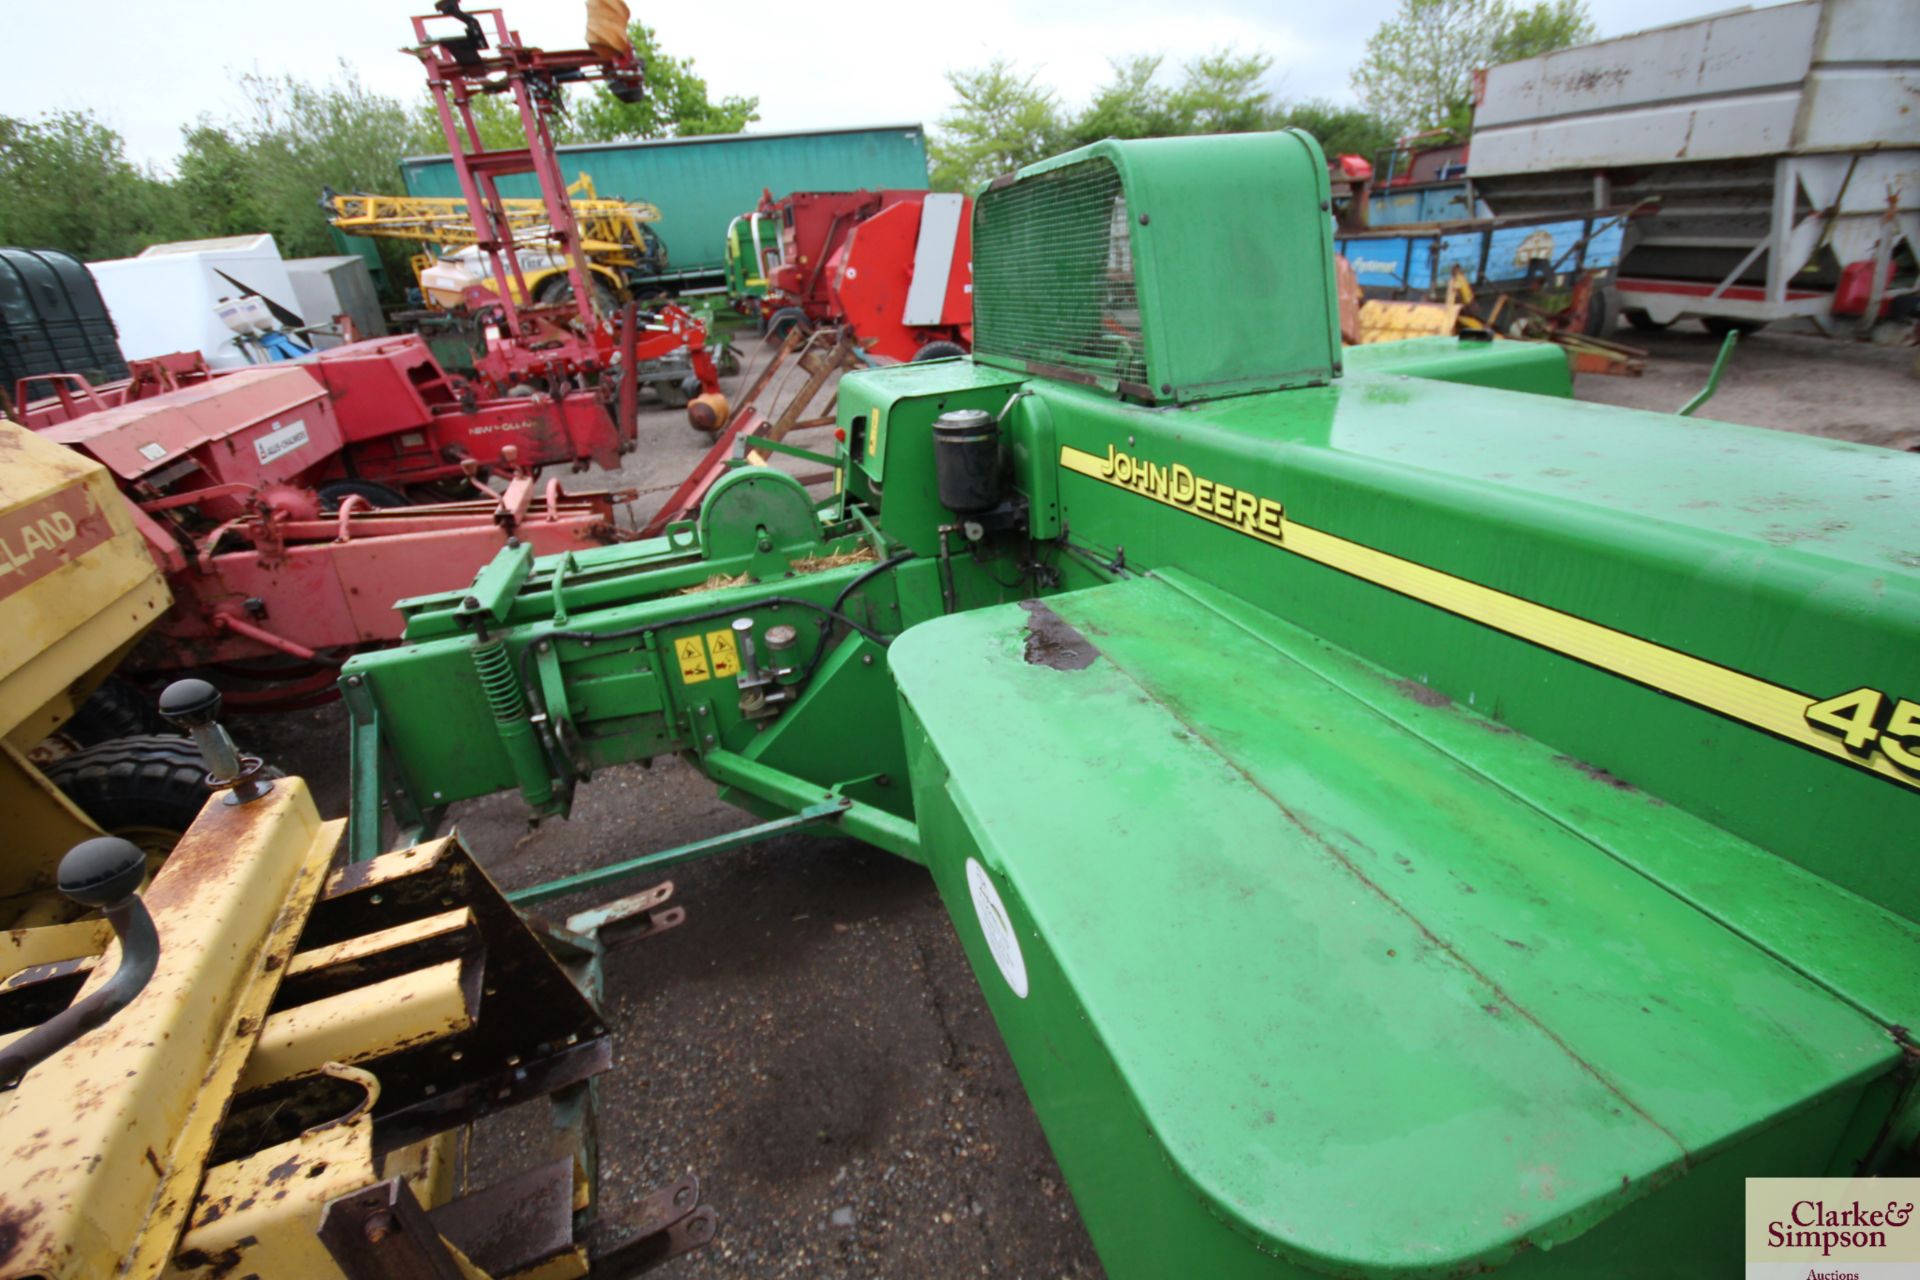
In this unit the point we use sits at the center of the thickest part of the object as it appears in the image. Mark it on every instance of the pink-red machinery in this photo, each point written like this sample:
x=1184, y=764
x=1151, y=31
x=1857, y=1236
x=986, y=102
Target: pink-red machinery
x=404, y=421
x=895, y=267
x=250, y=492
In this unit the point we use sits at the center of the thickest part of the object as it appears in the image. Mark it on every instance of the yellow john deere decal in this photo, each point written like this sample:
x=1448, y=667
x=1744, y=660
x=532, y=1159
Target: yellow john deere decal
x=1796, y=717
x=1179, y=487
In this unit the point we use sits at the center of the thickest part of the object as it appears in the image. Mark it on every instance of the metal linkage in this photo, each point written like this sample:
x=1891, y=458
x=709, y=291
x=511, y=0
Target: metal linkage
x=807, y=818
x=194, y=705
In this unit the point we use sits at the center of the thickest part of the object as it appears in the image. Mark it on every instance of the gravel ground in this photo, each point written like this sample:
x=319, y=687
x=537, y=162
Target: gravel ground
x=811, y=1042
x=1789, y=381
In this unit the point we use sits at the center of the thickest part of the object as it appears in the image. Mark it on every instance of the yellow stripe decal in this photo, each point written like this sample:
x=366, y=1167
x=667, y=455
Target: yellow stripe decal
x=1778, y=711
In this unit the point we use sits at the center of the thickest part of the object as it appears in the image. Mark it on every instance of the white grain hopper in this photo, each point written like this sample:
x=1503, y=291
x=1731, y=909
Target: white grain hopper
x=1781, y=144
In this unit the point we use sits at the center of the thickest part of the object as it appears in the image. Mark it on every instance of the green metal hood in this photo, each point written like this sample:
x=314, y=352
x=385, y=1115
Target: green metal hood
x=1169, y=270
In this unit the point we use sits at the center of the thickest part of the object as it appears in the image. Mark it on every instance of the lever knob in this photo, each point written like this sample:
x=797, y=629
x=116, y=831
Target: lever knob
x=191, y=704
x=102, y=872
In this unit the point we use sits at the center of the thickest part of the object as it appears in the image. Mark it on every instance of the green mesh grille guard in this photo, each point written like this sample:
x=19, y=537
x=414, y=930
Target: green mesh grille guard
x=1053, y=276
x=1164, y=270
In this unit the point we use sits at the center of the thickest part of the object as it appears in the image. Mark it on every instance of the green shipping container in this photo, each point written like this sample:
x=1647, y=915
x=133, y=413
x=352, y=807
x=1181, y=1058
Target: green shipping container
x=701, y=183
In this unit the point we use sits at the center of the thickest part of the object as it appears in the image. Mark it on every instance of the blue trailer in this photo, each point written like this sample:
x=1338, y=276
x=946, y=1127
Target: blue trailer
x=1495, y=254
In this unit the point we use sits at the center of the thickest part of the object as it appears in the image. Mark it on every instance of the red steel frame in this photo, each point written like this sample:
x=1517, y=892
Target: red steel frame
x=298, y=584
x=535, y=341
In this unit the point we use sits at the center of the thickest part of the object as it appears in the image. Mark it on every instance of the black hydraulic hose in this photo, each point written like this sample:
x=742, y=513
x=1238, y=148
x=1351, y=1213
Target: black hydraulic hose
x=893, y=561
x=139, y=957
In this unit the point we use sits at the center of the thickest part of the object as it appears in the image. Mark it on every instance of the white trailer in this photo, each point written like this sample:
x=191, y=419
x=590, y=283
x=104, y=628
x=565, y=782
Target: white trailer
x=1778, y=150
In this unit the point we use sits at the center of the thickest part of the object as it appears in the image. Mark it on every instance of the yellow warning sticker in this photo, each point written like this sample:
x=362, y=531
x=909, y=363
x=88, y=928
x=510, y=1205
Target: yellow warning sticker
x=693, y=659
x=726, y=659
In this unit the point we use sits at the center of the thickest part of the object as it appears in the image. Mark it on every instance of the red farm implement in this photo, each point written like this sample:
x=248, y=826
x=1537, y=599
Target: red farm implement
x=396, y=419
x=894, y=267
x=558, y=341
x=272, y=496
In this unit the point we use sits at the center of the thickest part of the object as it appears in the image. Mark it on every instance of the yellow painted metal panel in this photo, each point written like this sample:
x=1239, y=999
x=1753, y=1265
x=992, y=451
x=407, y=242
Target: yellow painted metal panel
x=368, y=945
x=69, y=553
x=256, y=1216
x=1382, y=320
x=364, y=1023
x=106, y=1141
x=24, y=948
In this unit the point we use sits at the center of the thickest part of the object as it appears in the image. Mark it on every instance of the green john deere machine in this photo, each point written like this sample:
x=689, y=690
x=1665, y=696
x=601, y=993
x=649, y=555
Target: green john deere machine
x=1405, y=822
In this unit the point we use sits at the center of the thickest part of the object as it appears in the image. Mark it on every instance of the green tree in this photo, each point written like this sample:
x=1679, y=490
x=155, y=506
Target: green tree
x=1419, y=65
x=1003, y=120
x=1221, y=93
x=1218, y=93
x=66, y=183
x=494, y=115
x=1338, y=130
x=677, y=103
x=1130, y=105
x=297, y=137
x=214, y=185
x=1532, y=30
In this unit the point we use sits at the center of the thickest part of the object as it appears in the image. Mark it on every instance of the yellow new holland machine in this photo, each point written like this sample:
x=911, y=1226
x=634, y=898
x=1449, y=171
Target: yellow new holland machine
x=264, y=1063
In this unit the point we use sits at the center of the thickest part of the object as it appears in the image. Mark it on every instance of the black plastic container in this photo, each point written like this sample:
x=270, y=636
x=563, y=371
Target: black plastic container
x=966, y=460
x=52, y=320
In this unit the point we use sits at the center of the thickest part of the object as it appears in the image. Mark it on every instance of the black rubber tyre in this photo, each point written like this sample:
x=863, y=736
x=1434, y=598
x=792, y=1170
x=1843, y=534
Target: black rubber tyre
x=558, y=289
x=785, y=321
x=1721, y=326
x=379, y=495
x=1601, y=308
x=147, y=788
x=1639, y=319
x=115, y=710
x=939, y=350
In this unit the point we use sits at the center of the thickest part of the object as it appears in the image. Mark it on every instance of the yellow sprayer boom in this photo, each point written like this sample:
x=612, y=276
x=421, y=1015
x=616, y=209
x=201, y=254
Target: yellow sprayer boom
x=610, y=230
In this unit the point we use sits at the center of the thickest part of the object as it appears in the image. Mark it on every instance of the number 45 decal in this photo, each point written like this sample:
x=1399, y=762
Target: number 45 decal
x=1863, y=723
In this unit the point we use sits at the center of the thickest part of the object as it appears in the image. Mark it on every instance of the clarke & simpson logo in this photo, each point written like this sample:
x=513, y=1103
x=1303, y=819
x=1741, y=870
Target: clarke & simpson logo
x=1833, y=1229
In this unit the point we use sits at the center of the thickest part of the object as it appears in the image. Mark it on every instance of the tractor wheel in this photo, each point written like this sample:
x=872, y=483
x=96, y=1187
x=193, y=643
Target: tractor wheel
x=115, y=710
x=940, y=350
x=783, y=322
x=1721, y=326
x=1601, y=308
x=336, y=492
x=147, y=789
x=559, y=289
x=671, y=394
x=1639, y=319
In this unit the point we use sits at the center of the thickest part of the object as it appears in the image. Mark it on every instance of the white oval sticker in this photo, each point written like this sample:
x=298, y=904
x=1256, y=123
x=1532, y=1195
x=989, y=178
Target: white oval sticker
x=997, y=927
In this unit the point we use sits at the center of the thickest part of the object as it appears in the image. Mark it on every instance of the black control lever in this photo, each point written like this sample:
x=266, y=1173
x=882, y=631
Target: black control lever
x=104, y=872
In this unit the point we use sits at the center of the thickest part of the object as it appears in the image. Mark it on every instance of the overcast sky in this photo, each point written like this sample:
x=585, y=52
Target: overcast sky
x=148, y=66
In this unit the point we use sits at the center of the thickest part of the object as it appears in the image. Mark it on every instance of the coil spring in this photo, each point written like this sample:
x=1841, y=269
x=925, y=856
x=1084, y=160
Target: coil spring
x=495, y=669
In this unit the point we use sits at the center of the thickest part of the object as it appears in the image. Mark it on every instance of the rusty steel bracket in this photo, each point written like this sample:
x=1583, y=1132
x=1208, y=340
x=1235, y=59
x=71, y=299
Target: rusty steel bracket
x=667, y=1223
x=580, y=943
x=382, y=1233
